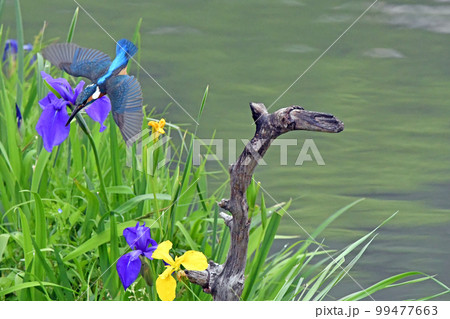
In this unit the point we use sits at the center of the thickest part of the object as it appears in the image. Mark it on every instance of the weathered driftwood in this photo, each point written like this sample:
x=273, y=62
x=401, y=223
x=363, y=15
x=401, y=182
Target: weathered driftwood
x=226, y=282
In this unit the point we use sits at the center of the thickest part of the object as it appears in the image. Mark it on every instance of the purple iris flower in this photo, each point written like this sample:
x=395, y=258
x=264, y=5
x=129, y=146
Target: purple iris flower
x=18, y=116
x=10, y=50
x=140, y=241
x=52, y=123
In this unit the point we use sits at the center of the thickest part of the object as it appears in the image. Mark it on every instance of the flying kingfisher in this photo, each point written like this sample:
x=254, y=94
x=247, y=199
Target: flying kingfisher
x=111, y=78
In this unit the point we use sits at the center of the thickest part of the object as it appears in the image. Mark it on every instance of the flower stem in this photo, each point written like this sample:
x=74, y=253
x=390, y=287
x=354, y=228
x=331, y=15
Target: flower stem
x=99, y=171
x=86, y=130
x=155, y=200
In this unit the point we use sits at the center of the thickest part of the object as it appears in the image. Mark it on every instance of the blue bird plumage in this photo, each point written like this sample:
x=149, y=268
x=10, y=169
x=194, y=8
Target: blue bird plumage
x=107, y=77
x=124, y=50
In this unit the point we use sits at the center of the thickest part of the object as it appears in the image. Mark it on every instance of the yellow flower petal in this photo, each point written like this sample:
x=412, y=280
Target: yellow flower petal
x=166, y=288
x=178, y=261
x=157, y=128
x=166, y=273
x=194, y=260
x=162, y=252
x=153, y=124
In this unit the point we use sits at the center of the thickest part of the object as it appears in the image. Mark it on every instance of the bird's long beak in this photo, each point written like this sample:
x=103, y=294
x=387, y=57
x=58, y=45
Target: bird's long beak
x=74, y=112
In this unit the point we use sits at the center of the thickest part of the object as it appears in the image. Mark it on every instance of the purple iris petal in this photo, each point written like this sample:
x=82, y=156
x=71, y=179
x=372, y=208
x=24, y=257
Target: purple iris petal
x=61, y=86
x=137, y=237
x=52, y=123
x=128, y=267
x=99, y=110
x=28, y=47
x=140, y=240
x=150, y=251
x=18, y=116
x=10, y=49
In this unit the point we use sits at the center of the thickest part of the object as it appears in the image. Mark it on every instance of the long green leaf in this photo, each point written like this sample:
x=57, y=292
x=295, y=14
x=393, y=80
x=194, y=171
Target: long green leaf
x=39, y=170
x=263, y=252
x=380, y=285
x=202, y=106
x=29, y=284
x=125, y=207
x=186, y=235
x=40, y=222
x=50, y=273
x=3, y=242
x=20, y=55
x=92, y=210
x=63, y=274
x=121, y=189
x=73, y=24
x=27, y=244
x=327, y=222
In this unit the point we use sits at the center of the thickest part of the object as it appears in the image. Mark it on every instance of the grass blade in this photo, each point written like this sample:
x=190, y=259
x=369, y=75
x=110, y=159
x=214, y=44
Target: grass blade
x=20, y=55
x=73, y=24
x=263, y=252
x=202, y=106
x=380, y=285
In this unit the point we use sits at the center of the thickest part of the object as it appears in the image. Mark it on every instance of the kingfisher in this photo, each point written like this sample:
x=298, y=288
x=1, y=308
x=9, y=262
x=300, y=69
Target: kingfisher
x=111, y=78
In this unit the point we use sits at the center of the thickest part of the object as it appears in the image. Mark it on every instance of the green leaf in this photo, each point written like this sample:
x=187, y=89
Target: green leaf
x=39, y=170
x=114, y=151
x=29, y=284
x=92, y=210
x=51, y=89
x=263, y=212
x=72, y=25
x=3, y=242
x=262, y=254
x=122, y=189
x=50, y=273
x=186, y=235
x=20, y=55
x=327, y=222
x=125, y=207
x=40, y=222
x=380, y=285
x=63, y=274
x=202, y=106
x=27, y=244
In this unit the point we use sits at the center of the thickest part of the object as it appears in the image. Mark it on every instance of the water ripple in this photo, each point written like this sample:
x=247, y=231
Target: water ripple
x=175, y=30
x=415, y=16
x=383, y=53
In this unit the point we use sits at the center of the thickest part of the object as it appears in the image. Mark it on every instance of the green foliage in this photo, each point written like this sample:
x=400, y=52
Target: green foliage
x=63, y=213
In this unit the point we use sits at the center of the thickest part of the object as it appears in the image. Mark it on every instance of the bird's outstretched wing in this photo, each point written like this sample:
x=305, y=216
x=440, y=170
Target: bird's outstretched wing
x=125, y=94
x=77, y=61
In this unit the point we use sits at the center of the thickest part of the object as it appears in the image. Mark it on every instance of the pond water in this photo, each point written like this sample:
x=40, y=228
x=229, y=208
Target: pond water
x=387, y=79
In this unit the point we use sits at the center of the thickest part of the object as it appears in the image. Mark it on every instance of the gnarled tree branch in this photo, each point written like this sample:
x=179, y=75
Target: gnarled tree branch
x=226, y=282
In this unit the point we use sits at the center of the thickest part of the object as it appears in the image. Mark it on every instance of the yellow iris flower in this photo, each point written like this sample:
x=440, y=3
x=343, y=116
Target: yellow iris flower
x=157, y=127
x=191, y=260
